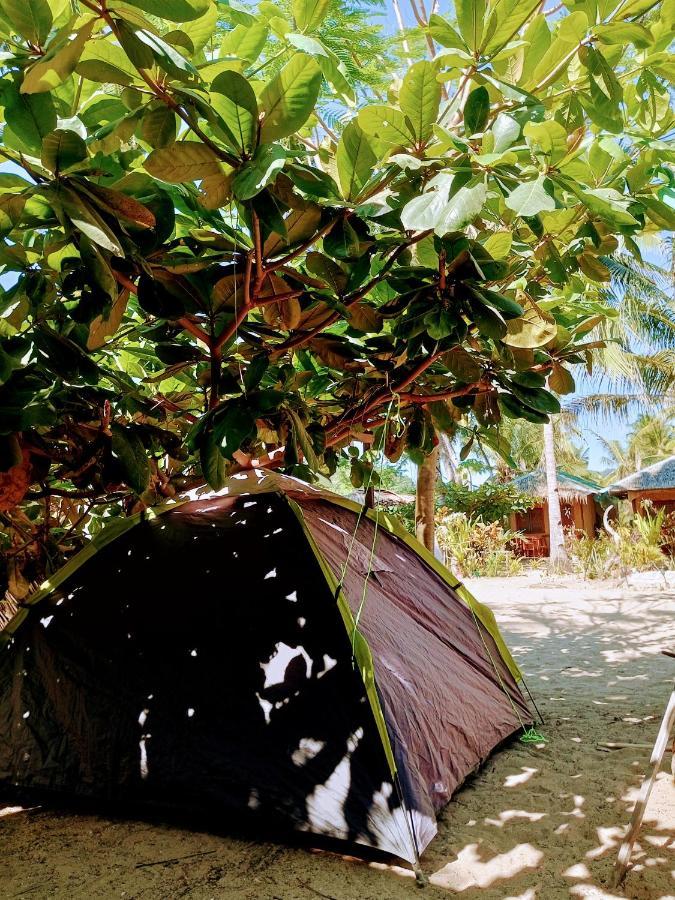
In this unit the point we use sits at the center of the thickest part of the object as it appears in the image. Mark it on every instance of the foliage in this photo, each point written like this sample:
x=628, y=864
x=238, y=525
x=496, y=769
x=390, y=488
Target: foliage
x=489, y=502
x=476, y=548
x=644, y=542
x=198, y=284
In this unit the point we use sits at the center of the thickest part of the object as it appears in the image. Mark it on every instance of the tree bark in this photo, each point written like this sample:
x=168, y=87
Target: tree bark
x=425, y=500
x=557, y=552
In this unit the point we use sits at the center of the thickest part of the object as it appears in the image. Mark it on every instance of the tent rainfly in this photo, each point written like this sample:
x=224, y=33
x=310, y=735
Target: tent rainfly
x=269, y=651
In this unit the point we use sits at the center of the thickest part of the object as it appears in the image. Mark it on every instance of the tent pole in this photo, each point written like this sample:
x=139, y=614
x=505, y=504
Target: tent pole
x=529, y=694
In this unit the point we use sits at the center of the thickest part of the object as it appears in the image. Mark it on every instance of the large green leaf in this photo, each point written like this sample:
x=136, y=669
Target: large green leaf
x=31, y=117
x=530, y=198
x=444, y=34
x=476, y=110
x=357, y=156
x=128, y=450
x=549, y=138
x=419, y=98
x=387, y=124
x=287, y=101
x=237, y=107
x=32, y=19
x=84, y=218
x=173, y=10
x=62, y=149
x=470, y=15
x=183, y=161
x=309, y=13
x=444, y=213
x=53, y=69
x=263, y=168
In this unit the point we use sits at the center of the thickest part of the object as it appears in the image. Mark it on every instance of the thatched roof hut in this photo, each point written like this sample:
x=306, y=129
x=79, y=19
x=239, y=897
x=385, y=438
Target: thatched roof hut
x=578, y=507
x=570, y=487
x=655, y=483
x=384, y=497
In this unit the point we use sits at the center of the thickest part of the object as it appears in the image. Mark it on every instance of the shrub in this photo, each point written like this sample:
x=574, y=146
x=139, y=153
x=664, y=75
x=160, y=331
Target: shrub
x=640, y=546
x=490, y=502
x=477, y=548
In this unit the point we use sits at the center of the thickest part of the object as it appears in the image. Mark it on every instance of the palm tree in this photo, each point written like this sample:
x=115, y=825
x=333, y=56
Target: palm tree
x=650, y=439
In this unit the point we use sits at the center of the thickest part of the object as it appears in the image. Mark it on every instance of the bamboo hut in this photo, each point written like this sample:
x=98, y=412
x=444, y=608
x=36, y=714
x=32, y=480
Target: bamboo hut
x=652, y=487
x=578, y=506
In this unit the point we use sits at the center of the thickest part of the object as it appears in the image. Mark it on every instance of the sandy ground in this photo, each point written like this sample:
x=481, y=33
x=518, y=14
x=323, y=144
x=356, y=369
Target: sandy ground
x=537, y=822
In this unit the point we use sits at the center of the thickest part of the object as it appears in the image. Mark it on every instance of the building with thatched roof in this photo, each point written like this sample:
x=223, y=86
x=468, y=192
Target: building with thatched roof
x=578, y=506
x=655, y=484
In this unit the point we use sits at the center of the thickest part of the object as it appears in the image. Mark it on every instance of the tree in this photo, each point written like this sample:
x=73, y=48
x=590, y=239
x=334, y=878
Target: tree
x=199, y=285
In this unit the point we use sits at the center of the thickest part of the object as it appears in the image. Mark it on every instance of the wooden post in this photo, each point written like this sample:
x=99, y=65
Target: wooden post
x=658, y=752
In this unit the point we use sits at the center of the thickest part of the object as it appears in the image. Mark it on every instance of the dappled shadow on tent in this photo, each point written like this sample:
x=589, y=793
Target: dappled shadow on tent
x=141, y=681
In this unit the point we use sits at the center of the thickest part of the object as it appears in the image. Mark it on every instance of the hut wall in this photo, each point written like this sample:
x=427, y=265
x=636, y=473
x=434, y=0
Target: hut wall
x=659, y=499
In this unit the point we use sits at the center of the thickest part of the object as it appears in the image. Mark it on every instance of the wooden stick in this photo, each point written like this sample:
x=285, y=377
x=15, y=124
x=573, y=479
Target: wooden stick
x=660, y=745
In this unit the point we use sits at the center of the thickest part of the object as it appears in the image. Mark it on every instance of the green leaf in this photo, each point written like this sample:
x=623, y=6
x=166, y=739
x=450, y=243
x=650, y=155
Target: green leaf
x=200, y=31
x=32, y=19
x=608, y=203
x=444, y=213
x=505, y=130
x=62, y=149
x=233, y=424
x=444, y=34
x=303, y=440
x=263, y=168
x=213, y=463
x=470, y=15
x=548, y=137
x=357, y=156
x=498, y=244
x=287, y=101
x=106, y=62
x=661, y=214
x=166, y=56
x=245, y=41
x=87, y=220
x=128, y=450
x=530, y=198
x=386, y=124
x=624, y=33
x=237, y=107
x=419, y=98
x=182, y=161
x=335, y=73
x=507, y=18
x=31, y=117
x=53, y=69
x=173, y=10
x=309, y=13
x=476, y=110
x=158, y=127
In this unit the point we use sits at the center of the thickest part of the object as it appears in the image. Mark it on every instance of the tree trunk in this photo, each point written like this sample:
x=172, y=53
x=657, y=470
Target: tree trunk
x=425, y=500
x=557, y=552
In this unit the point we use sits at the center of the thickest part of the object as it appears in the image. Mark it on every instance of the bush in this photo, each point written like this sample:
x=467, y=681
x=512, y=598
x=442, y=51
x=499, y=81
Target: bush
x=490, y=502
x=640, y=546
x=477, y=548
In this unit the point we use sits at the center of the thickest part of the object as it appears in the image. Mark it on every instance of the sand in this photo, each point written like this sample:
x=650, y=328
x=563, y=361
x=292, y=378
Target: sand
x=537, y=822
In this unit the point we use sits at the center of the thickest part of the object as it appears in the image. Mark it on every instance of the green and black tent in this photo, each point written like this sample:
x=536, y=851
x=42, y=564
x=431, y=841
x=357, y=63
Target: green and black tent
x=270, y=650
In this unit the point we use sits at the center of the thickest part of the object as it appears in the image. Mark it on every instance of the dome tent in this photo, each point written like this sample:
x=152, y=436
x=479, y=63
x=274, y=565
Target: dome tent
x=206, y=657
